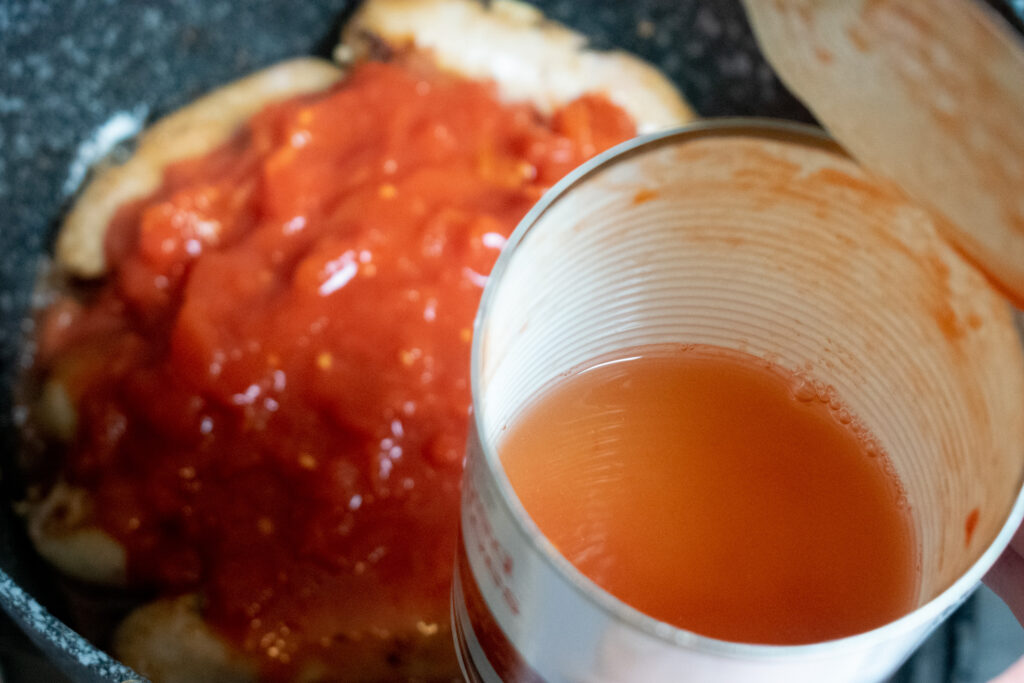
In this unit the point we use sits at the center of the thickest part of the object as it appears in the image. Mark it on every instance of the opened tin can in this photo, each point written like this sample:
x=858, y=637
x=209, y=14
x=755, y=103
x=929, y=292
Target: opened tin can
x=764, y=238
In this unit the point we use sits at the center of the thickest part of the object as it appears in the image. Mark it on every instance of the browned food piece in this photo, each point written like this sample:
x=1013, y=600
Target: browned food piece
x=169, y=641
x=189, y=132
x=512, y=43
x=62, y=529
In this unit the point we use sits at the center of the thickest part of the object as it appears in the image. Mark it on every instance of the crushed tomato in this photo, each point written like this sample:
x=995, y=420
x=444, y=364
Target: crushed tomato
x=272, y=384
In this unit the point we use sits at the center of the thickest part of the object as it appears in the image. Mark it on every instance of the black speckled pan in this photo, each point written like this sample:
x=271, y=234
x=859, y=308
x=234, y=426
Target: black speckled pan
x=76, y=73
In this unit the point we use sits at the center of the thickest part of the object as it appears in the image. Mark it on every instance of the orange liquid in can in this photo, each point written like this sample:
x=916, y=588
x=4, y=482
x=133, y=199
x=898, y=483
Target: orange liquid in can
x=718, y=493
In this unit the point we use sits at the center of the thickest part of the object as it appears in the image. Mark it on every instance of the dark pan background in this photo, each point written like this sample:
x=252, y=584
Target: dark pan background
x=69, y=66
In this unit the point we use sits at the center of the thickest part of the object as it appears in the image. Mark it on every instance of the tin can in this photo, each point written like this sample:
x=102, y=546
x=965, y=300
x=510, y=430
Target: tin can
x=766, y=238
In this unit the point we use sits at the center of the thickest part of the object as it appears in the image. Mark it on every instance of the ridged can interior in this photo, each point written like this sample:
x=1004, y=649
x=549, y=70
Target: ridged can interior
x=768, y=239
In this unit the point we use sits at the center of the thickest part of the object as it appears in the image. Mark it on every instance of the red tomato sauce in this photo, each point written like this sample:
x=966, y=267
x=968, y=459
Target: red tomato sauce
x=272, y=384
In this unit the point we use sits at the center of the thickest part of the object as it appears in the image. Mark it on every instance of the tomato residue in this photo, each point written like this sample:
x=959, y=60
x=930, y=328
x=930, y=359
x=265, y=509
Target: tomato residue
x=970, y=524
x=272, y=384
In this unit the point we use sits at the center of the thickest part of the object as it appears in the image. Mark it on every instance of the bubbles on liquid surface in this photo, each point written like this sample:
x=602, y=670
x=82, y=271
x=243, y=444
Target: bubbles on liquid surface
x=819, y=389
x=832, y=398
x=807, y=390
x=803, y=389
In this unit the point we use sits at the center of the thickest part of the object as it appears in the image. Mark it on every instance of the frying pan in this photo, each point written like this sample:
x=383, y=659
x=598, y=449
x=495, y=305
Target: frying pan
x=78, y=78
